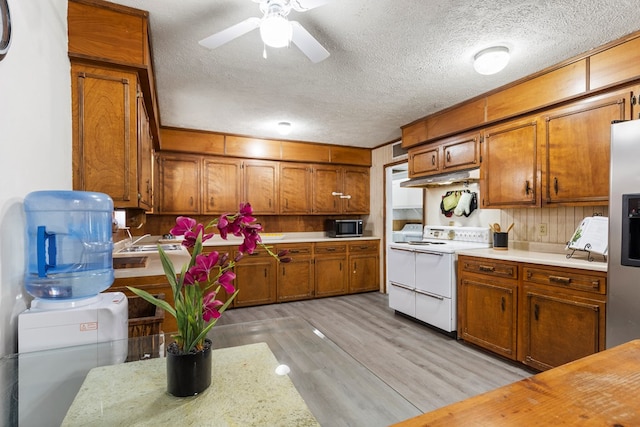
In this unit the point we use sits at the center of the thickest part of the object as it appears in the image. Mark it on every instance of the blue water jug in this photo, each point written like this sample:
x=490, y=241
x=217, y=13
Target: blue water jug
x=69, y=244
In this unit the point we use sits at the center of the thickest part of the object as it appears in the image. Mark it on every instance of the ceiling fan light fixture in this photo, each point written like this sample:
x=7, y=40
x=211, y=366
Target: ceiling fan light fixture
x=491, y=60
x=284, y=128
x=275, y=30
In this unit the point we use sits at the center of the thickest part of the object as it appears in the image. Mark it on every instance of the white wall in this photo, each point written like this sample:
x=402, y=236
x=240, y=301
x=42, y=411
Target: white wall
x=35, y=137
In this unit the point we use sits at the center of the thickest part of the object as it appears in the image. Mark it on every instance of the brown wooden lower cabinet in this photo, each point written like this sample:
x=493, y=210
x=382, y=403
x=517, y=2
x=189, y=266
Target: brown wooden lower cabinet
x=256, y=279
x=295, y=279
x=331, y=270
x=153, y=285
x=542, y=316
x=364, y=267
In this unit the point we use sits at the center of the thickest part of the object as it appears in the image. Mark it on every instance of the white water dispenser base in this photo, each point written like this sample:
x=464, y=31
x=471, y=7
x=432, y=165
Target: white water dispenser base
x=56, y=324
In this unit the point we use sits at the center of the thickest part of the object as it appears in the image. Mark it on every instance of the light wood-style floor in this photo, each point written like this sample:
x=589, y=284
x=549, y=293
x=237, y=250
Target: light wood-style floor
x=427, y=367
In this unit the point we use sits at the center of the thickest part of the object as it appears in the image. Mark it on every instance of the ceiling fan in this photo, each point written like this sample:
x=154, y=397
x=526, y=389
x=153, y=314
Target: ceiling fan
x=275, y=29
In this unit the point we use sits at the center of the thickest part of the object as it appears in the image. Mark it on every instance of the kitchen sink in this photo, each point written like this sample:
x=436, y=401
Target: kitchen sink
x=151, y=248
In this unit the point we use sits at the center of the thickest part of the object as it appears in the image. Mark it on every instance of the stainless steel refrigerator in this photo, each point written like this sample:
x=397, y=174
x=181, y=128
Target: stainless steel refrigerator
x=623, y=301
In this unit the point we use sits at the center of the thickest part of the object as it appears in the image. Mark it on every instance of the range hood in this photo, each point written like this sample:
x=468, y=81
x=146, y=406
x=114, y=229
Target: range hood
x=458, y=177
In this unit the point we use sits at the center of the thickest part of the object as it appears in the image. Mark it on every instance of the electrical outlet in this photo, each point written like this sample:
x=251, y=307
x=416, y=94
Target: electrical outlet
x=542, y=229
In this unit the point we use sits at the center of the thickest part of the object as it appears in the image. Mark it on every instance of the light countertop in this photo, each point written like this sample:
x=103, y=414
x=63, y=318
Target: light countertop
x=181, y=257
x=578, y=260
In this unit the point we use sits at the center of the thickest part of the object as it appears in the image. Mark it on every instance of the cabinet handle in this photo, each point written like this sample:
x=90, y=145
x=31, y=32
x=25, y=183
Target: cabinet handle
x=330, y=249
x=633, y=99
x=335, y=193
x=536, y=311
x=191, y=201
x=502, y=303
x=211, y=201
x=559, y=279
x=284, y=271
x=433, y=159
x=555, y=185
x=265, y=272
x=347, y=196
x=527, y=187
x=341, y=266
x=448, y=156
x=486, y=268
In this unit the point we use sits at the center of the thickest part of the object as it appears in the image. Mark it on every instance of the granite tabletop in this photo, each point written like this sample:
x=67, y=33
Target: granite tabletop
x=246, y=390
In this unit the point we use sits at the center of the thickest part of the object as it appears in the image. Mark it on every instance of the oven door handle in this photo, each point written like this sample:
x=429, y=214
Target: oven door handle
x=398, y=285
x=418, y=291
x=402, y=250
x=430, y=253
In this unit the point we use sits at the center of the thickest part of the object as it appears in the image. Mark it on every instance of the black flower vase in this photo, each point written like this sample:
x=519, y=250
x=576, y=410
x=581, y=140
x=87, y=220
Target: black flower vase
x=188, y=374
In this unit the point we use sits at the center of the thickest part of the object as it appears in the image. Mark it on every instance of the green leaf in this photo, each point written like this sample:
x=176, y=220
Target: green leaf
x=153, y=300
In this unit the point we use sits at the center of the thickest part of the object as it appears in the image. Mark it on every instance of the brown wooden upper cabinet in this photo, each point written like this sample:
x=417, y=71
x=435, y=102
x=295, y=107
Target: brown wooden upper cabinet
x=261, y=186
x=180, y=178
x=509, y=165
x=107, y=153
x=222, y=185
x=450, y=154
x=576, y=148
x=340, y=189
x=295, y=188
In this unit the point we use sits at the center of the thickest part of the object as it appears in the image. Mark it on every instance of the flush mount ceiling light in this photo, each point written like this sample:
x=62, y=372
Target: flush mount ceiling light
x=491, y=60
x=284, y=128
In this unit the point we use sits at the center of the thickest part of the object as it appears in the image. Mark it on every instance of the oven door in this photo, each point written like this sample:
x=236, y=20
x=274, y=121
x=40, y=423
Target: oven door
x=434, y=273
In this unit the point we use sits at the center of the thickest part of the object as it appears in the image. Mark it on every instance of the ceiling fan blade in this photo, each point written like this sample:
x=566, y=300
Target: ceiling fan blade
x=307, y=44
x=304, y=5
x=233, y=32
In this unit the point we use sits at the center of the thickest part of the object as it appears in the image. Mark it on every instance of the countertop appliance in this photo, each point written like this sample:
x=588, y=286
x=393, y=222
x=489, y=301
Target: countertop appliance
x=623, y=300
x=344, y=227
x=422, y=273
x=409, y=232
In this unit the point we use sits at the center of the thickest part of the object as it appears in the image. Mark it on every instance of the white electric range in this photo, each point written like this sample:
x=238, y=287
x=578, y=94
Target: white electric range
x=422, y=273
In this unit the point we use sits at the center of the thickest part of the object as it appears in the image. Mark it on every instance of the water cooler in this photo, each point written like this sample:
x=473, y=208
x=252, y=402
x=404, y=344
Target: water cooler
x=71, y=327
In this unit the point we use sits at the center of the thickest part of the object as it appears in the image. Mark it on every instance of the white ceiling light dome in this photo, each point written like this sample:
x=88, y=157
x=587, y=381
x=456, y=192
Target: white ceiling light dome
x=284, y=128
x=491, y=60
x=276, y=30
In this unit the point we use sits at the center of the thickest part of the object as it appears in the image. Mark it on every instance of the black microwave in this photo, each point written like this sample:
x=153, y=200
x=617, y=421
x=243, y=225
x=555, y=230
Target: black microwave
x=343, y=227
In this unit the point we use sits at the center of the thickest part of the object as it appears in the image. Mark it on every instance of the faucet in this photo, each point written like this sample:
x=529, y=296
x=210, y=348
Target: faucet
x=133, y=242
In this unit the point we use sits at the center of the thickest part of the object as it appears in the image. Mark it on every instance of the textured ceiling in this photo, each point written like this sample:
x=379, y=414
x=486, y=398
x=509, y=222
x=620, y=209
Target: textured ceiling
x=391, y=62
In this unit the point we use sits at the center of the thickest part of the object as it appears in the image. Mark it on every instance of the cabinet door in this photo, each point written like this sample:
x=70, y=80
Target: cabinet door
x=179, y=184
x=295, y=279
x=331, y=269
x=295, y=188
x=261, y=186
x=461, y=152
x=222, y=185
x=145, y=156
x=356, y=191
x=558, y=328
x=509, y=165
x=424, y=161
x=256, y=279
x=487, y=314
x=105, y=130
x=365, y=273
x=327, y=187
x=577, y=141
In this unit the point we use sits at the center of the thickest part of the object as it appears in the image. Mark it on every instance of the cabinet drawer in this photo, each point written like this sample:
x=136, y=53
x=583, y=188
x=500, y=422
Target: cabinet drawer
x=299, y=250
x=565, y=278
x=363, y=247
x=330, y=248
x=489, y=267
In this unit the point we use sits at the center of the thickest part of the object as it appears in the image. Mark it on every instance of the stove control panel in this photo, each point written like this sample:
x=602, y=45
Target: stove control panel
x=462, y=234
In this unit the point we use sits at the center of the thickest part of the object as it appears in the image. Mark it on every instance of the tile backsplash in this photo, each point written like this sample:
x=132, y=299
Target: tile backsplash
x=560, y=222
